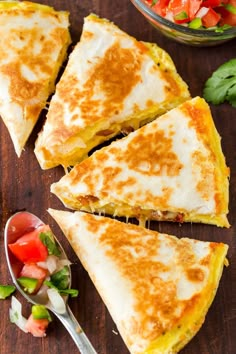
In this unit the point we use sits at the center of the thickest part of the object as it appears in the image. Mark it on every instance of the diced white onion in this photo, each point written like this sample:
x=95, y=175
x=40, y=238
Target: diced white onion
x=53, y=263
x=62, y=263
x=56, y=301
x=169, y=16
x=15, y=314
x=50, y=264
x=202, y=12
x=42, y=265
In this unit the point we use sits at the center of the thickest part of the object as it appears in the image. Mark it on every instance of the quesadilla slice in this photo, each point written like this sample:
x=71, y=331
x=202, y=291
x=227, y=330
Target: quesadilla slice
x=33, y=44
x=171, y=169
x=112, y=83
x=157, y=288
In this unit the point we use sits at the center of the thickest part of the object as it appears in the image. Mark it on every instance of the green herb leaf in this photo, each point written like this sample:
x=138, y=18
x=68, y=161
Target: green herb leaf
x=71, y=292
x=221, y=86
x=40, y=312
x=6, y=290
x=48, y=240
x=221, y=29
x=61, y=279
x=50, y=284
x=231, y=95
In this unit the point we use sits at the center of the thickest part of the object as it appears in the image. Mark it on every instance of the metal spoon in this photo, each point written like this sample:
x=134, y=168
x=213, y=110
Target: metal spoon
x=16, y=228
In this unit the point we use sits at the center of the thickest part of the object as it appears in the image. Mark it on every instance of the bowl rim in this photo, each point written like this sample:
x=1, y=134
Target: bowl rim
x=142, y=7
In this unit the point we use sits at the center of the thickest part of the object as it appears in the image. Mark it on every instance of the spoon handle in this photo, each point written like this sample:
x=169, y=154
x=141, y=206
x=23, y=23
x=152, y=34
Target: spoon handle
x=76, y=332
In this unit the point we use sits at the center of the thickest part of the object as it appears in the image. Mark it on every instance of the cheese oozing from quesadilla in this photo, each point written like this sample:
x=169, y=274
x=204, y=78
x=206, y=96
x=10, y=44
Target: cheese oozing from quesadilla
x=170, y=169
x=33, y=44
x=157, y=288
x=112, y=83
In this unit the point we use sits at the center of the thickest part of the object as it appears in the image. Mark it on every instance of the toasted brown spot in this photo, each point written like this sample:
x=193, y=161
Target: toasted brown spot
x=195, y=274
x=155, y=157
x=197, y=118
x=116, y=84
x=173, y=88
x=130, y=181
x=87, y=35
x=149, y=103
x=20, y=88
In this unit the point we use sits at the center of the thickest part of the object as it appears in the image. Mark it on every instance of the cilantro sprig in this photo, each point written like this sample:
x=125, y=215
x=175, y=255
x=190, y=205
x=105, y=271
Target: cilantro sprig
x=69, y=291
x=221, y=86
x=60, y=282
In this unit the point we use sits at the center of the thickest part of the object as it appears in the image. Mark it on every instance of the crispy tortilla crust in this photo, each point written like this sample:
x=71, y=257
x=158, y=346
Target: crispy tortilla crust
x=83, y=115
x=177, y=156
x=33, y=44
x=172, y=282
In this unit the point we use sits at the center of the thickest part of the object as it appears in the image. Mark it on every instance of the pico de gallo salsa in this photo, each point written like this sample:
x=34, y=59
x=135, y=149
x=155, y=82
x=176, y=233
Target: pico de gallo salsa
x=197, y=14
x=42, y=270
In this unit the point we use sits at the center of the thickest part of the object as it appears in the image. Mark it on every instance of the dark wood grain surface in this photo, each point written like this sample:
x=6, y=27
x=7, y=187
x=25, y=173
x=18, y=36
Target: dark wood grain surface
x=23, y=185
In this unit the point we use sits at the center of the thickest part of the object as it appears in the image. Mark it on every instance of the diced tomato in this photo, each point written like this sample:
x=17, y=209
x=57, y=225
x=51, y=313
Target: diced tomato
x=184, y=11
x=37, y=327
x=211, y=3
x=194, y=6
x=32, y=270
x=179, y=6
x=223, y=2
x=161, y=7
x=227, y=17
x=211, y=18
x=190, y=7
x=29, y=248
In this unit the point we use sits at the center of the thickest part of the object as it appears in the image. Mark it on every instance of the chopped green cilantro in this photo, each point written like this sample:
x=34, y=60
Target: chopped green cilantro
x=48, y=240
x=71, y=292
x=6, y=290
x=61, y=281
x=61, y=278
x=221, y=86
x=221, y=29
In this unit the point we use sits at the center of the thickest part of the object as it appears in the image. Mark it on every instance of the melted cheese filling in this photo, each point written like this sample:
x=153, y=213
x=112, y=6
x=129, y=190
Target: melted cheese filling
x=166, y=170
x=91, y=205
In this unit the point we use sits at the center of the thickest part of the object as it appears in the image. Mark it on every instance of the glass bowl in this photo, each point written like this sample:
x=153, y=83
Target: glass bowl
x=180, y=33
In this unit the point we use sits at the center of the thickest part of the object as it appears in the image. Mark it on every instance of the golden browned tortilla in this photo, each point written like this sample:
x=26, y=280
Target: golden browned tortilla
x=33, y=44
x=171, y=169
x=157, y=288
x=112, y=83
